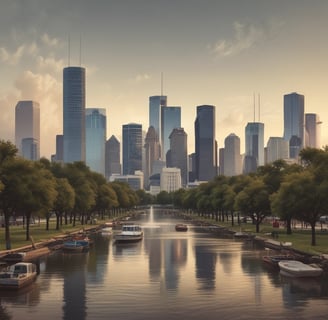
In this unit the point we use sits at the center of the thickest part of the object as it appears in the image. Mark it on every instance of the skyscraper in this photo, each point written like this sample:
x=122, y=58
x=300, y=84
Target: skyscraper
x=178, y=154
x=294, y=122
x=95, y=125
x=155, y=105
x=170, y=119
x=312, y=128
x=205, y=144
x=59, y=147
x=152, y=152
x=112, y=157
x=277, y=148
x=132, y=148
x=254, y=146
x=27, y=126
x=74, y=114
x=232, y=157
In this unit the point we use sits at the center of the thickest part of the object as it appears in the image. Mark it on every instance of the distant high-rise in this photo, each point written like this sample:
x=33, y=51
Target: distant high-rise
x=312, y=128
x=232, y=157
x=59, y=148
x=155, y=105
x=294, y=122
x=254, y=146
x=112, y=157
x=74, y=114
x=27, y=126
x=95, y=134
x=178, y=153
x=132, y=148
x=170, y=179
x=277, y=148
x=170, y=119
x=205, y=144
x=152, y=152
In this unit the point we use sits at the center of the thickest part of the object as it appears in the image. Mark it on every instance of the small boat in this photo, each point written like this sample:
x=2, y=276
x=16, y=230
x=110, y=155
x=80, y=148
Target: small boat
x=14, y=257
x=107, y=231
x=273, y=260
x=75, y=246
x=243, y=235
x=181, y=227
x=18, y=275
x=129, y=233
x=294, y=268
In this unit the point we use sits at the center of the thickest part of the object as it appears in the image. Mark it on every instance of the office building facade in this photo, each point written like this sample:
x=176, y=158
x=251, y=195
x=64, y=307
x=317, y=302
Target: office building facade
x=27, y=126
x=155, y=106
x=254, y=146
x=132, y=148
x=95, y=135
x=232, y=160
x=170, y=179
x=178, y=153
x=294, y=122
x=277, y=148
x=170, y=119
x=205, y=144
x=312, y=130
x=112, y=157
x=74, y=114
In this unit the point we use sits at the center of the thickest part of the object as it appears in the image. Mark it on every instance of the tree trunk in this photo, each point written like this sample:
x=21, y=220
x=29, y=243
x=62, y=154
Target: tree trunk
x=7, y=231
x=28, y=217
x=289, y=225
x=313, y=240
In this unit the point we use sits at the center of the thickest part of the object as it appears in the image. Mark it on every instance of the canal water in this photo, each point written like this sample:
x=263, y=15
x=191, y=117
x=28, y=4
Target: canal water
x=168, y=275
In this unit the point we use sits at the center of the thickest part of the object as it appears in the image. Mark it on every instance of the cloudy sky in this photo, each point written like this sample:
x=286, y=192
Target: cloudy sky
x=218, y=52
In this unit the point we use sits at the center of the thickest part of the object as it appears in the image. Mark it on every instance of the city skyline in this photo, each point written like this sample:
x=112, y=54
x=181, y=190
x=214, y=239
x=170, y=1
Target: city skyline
x=209, y=52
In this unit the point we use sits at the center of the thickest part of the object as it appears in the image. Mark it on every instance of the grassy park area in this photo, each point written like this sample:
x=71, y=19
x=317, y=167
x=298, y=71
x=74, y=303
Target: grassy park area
x=300, y=238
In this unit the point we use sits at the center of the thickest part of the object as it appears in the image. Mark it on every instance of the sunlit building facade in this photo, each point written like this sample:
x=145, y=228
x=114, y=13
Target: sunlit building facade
x=170, y=179
x=95, y=125
x=277, y=148
x=312, y=130
x=112, y=157
x=27, y=126
x=232, y=160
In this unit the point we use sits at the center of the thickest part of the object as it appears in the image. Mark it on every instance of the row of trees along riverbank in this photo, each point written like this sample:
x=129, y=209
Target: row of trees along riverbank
x=288, y=191
x=71, y=192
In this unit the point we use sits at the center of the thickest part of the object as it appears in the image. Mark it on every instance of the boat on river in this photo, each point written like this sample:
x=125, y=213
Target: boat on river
x=76, y=246
x=181, y=227
x=14, y=257
x=129, y=233
x=18, y=275
x=294, y=268
x=273, y=260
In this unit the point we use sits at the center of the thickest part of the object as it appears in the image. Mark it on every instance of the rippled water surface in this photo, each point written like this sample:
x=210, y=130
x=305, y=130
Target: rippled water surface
x=168, y=275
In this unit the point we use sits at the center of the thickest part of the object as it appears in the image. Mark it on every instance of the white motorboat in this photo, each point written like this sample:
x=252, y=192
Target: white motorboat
x=294, y=268
x=129, y=233
x=18, y=275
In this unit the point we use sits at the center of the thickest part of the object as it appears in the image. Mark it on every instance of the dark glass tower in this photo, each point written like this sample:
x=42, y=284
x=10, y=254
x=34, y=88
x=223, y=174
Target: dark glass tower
x=155, y=105
x=294, y=122
x=132, y=148
x=74, y=114
x=170, y=119
x=205, y=144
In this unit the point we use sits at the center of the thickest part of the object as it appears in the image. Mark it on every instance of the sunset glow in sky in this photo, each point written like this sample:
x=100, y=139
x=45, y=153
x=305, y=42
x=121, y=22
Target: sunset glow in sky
x=217, y=52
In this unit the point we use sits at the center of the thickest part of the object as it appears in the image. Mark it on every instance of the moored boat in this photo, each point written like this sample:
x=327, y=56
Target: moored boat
x=18, y=275
x=181, y=227
x=129, y=233
x=75, y=246
x=273, y=260
x=294, y=268
x=14, y=257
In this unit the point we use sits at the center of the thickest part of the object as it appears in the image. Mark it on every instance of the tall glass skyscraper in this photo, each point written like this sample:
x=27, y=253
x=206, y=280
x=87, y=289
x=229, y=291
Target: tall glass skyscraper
x=74, y=114
x=27, y=126
x=155, y=105
x=95, y=124
x=170, y=119
x=132, y=148
x=205, y=144
x=254, y=146
x=294, y=122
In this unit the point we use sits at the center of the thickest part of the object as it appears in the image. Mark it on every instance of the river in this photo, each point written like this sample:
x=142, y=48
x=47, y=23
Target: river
x=168, y=275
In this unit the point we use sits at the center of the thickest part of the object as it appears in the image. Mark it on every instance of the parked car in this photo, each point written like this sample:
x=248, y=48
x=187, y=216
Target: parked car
x=323, y=219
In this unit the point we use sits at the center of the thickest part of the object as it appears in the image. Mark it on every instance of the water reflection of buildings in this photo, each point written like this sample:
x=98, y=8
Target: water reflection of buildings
x=205, y=267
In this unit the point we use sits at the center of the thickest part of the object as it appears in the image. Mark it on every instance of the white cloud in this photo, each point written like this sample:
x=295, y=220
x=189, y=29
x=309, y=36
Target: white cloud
x=12, y=58
x=51, y=42
x=142, y=77
x=245, y=37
